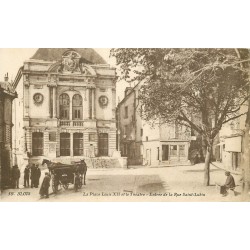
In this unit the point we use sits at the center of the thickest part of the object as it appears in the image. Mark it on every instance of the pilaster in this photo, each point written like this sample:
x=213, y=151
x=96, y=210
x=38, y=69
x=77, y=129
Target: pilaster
x=26, y=99
x=70, y=108
x=71, y=144
x=54, y=102
x=93, y=104
x=90, y=103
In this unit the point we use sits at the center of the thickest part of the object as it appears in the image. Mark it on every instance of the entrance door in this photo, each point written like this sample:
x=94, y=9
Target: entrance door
x=65, y=144
x=37, y=143
x=165, y=150
x=78, y=144
x=103, y=144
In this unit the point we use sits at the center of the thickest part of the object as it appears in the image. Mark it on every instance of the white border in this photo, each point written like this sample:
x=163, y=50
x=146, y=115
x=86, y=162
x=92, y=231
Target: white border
x=124, y=24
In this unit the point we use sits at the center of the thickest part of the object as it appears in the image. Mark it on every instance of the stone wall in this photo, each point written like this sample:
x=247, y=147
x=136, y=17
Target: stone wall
x=96, y=162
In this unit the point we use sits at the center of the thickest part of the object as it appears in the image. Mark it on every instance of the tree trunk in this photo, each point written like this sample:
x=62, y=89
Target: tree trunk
x=207, y=166
x=203, y=148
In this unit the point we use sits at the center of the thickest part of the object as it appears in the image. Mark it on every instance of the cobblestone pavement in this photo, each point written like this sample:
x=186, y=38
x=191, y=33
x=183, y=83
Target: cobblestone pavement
x=179, y=183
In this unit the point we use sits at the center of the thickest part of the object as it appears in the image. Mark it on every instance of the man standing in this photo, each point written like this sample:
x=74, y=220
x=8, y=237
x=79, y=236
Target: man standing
x=33, y=175
x=26, y=176
x=229, y=184
x=15, y=176
x=77, y=181
x=37, y=175
x=44, y=190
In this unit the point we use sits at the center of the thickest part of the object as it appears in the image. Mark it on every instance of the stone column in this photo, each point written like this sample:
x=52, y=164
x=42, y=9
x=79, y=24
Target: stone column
x=71, y=144
x=114, y=103
x=50, y=102
x=93, y=104
x=86, y=107
x=70, y=108
x=26, y=100
x=178, y=152
x=54, y=102
x=90, y=103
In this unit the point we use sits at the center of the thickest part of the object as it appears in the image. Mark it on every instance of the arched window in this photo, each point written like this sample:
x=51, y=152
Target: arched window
x=64, y=106
x=77, y=107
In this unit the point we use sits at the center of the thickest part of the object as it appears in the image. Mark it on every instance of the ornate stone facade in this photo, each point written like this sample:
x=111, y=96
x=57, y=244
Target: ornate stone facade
x=68, y=106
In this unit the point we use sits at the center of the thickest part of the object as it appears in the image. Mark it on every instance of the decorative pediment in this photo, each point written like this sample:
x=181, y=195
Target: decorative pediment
x=72, y=63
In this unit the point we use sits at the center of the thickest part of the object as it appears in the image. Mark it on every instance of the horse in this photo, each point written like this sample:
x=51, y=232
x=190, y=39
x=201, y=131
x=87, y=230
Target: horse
x=49, y=163
x=82, y=168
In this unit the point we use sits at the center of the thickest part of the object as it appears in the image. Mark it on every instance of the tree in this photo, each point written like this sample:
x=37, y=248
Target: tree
x=199, y=88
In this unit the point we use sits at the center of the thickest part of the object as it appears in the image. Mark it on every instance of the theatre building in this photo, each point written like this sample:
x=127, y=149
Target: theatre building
x=68, y=107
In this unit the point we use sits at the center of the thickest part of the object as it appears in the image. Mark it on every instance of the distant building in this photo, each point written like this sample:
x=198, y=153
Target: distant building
x=142, y=144
x=7, y=95
x=66, y=106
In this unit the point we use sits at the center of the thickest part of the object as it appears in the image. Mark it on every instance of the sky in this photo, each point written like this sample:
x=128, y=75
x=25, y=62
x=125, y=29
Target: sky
x=11, y=59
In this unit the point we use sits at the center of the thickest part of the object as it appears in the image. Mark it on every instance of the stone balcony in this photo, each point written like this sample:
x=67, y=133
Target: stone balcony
x=77, y=123
x=71, y=123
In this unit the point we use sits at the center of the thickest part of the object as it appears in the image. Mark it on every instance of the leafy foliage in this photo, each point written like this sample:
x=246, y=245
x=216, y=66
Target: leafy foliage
x=200, y=88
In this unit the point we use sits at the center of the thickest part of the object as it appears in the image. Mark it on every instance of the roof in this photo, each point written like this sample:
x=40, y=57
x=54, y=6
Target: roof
x=55, y=54
x=130, y=93
x=7, y=87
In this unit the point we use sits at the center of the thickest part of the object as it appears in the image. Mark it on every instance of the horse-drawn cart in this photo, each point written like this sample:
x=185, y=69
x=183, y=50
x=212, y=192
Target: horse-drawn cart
x=66, y=174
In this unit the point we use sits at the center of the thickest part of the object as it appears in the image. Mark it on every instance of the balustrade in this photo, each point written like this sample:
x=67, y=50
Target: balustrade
x=70, y=123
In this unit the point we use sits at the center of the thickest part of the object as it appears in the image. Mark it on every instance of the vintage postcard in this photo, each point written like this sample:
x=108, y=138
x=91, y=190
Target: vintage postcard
x=122, y=124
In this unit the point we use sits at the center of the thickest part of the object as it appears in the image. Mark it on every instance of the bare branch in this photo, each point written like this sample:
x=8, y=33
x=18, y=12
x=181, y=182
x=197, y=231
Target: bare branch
x=233, y=118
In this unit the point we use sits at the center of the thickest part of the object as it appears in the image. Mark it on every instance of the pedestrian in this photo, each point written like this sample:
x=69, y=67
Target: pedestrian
x=26, y=176
x=229, y=184
x=37, y=175
x=77, y=181
x=33, y=175
x=15, y=176
x=44, y=190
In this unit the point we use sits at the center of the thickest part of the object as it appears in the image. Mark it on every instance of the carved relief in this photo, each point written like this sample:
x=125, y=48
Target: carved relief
x=103, y=101
x=72, y=62
x=38, y=98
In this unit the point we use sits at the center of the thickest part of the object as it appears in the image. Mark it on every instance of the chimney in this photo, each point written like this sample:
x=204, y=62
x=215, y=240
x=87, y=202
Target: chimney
x=6, y=77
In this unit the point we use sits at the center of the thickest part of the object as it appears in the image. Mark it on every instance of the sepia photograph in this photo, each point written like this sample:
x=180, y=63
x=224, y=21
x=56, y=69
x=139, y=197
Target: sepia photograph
x=125, y=124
